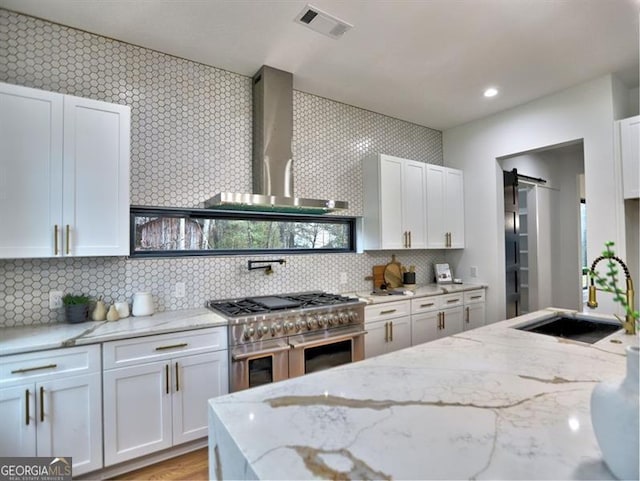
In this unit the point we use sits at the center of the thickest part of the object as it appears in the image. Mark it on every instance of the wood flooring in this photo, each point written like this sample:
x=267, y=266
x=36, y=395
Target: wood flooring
x=192, y=466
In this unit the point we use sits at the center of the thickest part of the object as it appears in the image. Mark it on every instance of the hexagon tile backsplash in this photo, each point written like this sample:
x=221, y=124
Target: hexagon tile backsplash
x=190, y=139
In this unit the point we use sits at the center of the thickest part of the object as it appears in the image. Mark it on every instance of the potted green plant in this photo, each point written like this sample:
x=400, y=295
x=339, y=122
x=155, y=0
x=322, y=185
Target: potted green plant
x=76, y=308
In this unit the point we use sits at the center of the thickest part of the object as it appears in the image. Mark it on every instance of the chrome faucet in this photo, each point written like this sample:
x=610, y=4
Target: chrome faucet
x=629, y=323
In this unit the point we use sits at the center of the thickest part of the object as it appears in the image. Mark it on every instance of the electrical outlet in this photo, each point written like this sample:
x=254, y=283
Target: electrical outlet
x=474, y=271
x=55, y=299
x=343, y=278
x=180, y=289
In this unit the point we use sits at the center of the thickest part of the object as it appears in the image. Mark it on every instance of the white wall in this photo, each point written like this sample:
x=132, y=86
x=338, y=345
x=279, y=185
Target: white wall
x=581, y=112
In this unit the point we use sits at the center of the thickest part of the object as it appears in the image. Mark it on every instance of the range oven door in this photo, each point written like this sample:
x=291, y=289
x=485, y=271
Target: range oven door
x=258, y=363
x=318, y=351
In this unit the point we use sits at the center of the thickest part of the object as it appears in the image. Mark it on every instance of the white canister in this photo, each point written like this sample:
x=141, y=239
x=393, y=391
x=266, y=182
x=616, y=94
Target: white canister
x=123, y=309
x=142, y=304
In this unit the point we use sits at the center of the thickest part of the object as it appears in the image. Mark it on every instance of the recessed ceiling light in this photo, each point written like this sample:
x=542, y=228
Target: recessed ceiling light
x=491, y=92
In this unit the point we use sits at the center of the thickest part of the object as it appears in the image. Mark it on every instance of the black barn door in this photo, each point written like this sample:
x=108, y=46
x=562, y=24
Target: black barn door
x=512, y=243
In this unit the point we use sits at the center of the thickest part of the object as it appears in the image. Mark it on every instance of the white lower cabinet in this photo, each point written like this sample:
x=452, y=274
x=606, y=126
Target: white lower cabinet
x=474, y=307
x=435, y=317
x=51, y=406
x=149, y=406
x=388, y=328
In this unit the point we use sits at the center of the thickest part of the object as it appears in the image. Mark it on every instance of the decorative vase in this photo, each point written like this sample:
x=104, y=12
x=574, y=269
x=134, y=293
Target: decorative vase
x=76, y=313
x=123, y=309
x=614, y=415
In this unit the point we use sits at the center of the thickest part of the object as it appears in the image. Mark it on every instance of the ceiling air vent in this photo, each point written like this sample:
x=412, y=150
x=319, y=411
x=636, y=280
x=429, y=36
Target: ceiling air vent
x=322, y=22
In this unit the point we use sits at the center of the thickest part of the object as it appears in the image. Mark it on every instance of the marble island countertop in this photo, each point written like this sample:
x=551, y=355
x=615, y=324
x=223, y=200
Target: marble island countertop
x=490, y=403
x=16, y=340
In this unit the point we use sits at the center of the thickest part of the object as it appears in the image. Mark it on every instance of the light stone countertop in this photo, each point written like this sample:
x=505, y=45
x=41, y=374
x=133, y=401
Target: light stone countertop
x=421, y=291
x=490, y=403
x=16, y=340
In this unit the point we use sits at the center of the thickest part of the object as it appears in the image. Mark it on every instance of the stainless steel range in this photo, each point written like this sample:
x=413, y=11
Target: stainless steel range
x=272, y=338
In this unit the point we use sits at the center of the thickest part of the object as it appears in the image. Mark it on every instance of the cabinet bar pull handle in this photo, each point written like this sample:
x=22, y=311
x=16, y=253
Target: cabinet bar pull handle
x=427, y=305
x=439, y=320
x=26, y=402
x=67, y=239
x=444, y=320
x=38, y=368
x=173, y=346
x=391, y=331
x=453, y=300
x=467, y=319
x=177, y=378
x=55, y=240
x=166, y=377
x=388, y=311
x=476, y=297
x=41, y=404
x=409, y=238
x=404, y=243
x=386, y=332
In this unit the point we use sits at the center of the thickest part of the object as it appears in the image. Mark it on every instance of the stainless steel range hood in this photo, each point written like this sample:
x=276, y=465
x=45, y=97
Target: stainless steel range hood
x=272, y=156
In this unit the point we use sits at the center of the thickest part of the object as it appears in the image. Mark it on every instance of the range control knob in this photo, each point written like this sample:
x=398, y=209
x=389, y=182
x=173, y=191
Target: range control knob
x=353, y=316
x=288, y=326
x=333, y=320
x=248, y=333
x=263, y=330
x=312, y=322
x=342, y=318
x=275, y=328
x=322, y=321
x=299, y=325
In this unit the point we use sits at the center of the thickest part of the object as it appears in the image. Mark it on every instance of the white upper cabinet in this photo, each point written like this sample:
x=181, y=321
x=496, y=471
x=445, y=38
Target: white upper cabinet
x=394, y=203
x=64, y=175
x=30, y=171
x=630, y=153
x=445, y=207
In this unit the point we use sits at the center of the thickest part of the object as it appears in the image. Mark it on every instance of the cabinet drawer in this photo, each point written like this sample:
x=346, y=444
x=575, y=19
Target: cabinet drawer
x=425, y=304
x=165, y=346
x=471, y=297
x=37, y=366
x=387, y=310
x=452, y=300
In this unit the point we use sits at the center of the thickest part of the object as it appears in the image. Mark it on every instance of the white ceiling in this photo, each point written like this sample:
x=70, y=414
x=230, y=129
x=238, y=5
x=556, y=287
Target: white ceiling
x=425, y=61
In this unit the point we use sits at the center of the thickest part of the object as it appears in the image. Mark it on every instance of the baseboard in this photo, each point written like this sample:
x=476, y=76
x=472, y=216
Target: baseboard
x=144, y=461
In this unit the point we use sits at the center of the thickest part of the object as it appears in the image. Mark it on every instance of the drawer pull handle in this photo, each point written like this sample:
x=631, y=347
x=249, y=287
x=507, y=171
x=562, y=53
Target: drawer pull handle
x=386, y=332
x=391, y=331
x=41, y=404
x=476, y=297
x=177, y=378
x=26, y=402
x=453, y=300
x=173, y=346
x=427, y=305
x=166, y=377
x=439, y=320
x=467, y=315
x=38, y=368
x=388, y=311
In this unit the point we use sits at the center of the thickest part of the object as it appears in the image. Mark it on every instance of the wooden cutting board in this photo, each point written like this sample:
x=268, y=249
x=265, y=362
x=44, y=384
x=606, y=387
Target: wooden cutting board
x=393, y=273
x=378, y=276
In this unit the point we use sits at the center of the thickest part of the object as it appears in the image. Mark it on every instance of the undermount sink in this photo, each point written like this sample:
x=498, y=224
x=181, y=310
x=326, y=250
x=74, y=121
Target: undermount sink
x=576, y=329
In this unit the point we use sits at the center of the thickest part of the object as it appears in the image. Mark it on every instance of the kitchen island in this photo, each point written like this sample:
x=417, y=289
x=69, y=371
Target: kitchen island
x=491, y=403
